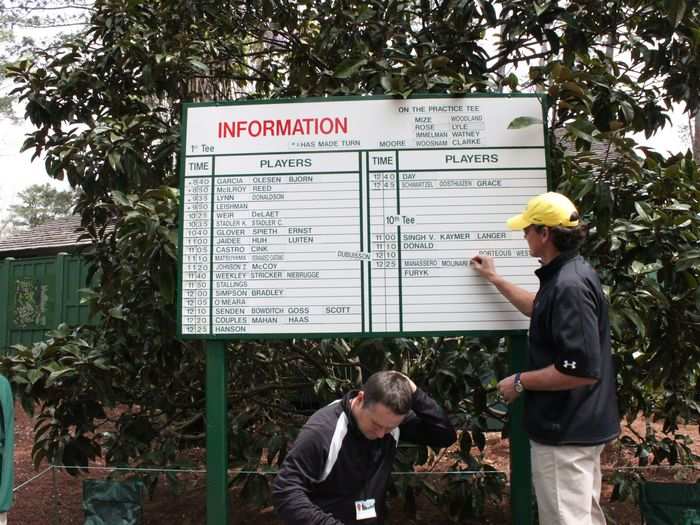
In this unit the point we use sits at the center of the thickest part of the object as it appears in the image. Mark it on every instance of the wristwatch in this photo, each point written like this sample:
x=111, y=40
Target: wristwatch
x=517, y=385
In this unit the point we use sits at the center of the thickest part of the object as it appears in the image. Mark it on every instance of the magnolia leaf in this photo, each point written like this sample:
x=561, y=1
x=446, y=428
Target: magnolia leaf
x=114, y=159
x=630, y=227
x=574, y=88
x=120, y=198
x=439, y=61
x=641, y=268
x=54, y=376
x=677, y=206
x=523, y=122
x=561, y=72
x=199, y=66
x=387, y=82
x=540, y=7
x=34, y=375
x=644, y=210
x=582, y=130
x=676, y=11
x=116, y=312
x=349, y=66
x=637, y=321
x=690, y=259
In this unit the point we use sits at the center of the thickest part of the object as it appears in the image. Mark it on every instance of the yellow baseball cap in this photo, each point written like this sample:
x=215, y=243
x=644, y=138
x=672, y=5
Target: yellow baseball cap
x=548, y=209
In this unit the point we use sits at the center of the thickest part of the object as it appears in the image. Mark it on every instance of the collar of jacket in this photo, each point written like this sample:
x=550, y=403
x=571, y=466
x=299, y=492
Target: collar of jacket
x=345, y=403
x=546, y=272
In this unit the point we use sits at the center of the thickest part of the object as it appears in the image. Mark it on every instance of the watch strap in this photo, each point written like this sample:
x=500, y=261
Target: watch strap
x=517, y=384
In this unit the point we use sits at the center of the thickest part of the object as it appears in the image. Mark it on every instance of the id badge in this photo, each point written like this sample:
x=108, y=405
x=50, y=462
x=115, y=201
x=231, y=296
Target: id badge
x=364, y=509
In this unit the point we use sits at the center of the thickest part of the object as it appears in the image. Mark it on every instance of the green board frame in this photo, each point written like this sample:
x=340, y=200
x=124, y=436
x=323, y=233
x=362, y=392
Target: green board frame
x=365, y=333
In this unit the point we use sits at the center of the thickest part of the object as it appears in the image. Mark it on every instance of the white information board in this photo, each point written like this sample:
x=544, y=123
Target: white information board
x=354, y=216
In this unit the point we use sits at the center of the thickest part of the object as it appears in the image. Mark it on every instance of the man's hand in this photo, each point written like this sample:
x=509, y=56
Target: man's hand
x=507, y=390
x=519, y=297
x=485, y=266
x=410, y=382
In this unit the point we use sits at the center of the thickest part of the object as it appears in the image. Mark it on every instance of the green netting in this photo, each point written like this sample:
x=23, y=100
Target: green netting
x=108, y=502
x=670, y=503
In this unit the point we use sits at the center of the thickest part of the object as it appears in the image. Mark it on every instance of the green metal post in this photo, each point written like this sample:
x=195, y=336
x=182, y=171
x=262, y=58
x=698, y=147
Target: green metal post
x=217, y=434
x=4, y=299
x=520, y=468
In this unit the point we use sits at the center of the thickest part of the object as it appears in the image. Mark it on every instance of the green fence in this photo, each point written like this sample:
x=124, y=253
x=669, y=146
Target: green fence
x=39, y=293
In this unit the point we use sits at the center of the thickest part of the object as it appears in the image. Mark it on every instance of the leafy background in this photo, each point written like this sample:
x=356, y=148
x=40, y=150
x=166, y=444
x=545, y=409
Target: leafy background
x=106, y=107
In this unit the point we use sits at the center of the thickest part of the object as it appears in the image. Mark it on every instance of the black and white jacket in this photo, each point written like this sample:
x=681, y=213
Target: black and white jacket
x=332, y=464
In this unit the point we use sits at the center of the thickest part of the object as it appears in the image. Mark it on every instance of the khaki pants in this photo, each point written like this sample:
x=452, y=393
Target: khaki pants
x=567, y=483
x=3, y=518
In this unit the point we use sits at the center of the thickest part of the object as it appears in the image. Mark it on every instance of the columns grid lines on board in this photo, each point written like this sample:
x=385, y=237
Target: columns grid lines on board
x=210, y=323
x=448, y=170
x=369, y=246
x=286, y=174
x=288, y=153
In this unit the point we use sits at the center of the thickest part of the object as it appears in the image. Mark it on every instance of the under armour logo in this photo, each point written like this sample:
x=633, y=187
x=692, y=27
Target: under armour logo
x=571, y=364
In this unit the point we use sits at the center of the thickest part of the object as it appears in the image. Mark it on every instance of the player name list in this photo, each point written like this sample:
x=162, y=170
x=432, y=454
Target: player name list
x=352, y=243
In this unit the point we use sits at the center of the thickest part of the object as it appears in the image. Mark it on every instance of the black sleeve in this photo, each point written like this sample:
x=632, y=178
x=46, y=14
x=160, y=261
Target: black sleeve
x=428, y=423
x=576, y=333
x=302, y=467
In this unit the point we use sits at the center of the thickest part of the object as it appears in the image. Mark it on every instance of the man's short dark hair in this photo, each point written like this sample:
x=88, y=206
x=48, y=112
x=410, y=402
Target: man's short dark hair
x=391, y=389
x=566, y=239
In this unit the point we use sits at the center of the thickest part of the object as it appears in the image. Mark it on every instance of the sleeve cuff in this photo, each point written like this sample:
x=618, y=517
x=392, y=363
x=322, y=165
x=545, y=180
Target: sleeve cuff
x=572, y=367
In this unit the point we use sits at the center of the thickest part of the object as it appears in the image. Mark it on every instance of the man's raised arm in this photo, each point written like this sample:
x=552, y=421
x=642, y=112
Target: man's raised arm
x=428, y=424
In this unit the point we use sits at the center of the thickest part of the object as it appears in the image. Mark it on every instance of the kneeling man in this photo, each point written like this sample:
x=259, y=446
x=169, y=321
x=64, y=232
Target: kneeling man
x=337, y=471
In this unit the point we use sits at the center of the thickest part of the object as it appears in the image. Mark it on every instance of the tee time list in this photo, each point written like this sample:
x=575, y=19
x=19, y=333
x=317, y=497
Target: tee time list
x=354, y=217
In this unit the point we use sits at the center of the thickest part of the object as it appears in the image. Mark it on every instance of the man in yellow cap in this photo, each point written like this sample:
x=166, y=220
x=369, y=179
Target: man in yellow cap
x=569, y=387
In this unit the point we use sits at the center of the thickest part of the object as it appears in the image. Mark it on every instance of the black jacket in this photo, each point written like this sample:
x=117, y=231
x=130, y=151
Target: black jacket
x=570, y=329
x=332, y=464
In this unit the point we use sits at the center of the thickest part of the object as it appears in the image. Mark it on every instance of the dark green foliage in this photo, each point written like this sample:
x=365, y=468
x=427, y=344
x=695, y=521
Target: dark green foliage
x=106, y=106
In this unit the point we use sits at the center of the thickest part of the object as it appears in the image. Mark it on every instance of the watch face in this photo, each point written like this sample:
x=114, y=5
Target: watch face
x=517, y=385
